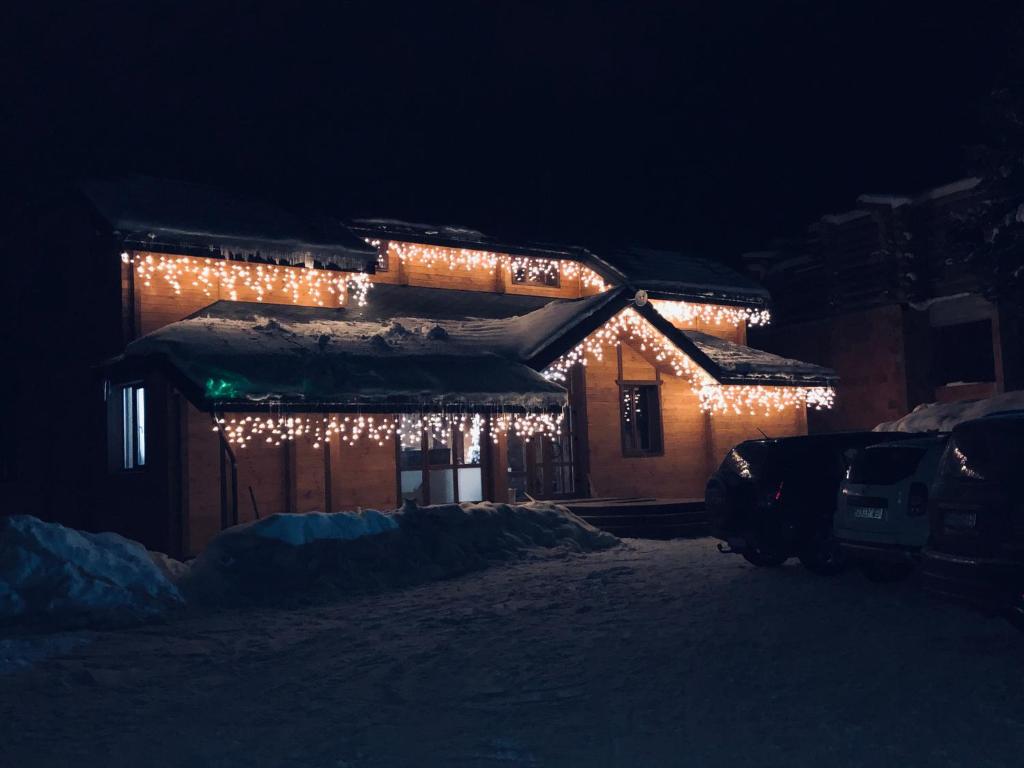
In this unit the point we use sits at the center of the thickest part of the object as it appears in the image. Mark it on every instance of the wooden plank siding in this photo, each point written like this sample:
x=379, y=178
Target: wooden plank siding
x=439, y=275
x=694, y=442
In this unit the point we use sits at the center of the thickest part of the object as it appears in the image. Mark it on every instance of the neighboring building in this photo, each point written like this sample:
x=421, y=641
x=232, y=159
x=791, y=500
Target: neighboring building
x=198, y=360
x=880, y=295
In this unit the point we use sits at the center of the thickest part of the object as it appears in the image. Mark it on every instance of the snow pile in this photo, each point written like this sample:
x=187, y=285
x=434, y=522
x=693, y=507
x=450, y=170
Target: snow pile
x=58, y=577
x=942, y=417
x=300, y=557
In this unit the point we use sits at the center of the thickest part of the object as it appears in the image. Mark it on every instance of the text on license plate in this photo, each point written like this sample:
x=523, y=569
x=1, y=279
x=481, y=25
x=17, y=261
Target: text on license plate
x=961, y=519
x=869, y=513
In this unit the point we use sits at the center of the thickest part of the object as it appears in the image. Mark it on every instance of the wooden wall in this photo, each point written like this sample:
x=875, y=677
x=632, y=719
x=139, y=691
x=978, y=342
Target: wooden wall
x=694, y=442
x=499, y=281
x=734, y=333
x=293, y=477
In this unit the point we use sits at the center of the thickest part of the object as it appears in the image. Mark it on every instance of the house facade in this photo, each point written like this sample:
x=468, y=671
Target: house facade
x=221, y=361
x=881, y=295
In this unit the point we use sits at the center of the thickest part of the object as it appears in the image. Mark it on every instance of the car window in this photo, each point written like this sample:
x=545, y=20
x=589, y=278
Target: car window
x=883, y=466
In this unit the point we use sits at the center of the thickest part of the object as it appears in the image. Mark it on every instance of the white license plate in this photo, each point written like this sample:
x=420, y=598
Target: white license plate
x=869, y=513
x=961, y=519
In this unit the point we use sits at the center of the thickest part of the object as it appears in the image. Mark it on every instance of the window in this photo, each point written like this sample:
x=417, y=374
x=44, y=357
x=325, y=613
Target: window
x=382, y=256
x=536, y=272
x=640, y=418
x=130, y=402
x=440, y=466
x=963, y=353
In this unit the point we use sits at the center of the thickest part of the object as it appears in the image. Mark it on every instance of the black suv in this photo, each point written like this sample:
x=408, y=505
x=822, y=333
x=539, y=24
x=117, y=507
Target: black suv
x=773, y=499
x=975, y=549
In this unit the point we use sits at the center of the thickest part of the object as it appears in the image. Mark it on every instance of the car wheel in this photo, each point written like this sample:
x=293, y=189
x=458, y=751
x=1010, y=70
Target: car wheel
x=764, y=558
x=886, y=573
x=824, y=557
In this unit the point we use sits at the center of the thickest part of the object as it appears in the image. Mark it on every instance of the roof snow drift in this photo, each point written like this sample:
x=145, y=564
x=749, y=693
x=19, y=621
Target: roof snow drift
x=177, y=217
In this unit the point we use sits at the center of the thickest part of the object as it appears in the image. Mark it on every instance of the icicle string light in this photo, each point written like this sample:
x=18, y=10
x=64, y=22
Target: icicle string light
x=741, y=399
x=226, y=278
x=534, y=269
x=319, y=429
x=684, y=312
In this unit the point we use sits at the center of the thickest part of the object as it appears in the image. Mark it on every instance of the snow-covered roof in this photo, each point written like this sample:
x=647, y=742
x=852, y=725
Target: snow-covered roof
x=233, y=354
x=177, y=217
x=674, y=275
x=845, y=217
x=738, y=364
x=961, y=185
x=893, y=201
x=452, y=236
x=663, y=274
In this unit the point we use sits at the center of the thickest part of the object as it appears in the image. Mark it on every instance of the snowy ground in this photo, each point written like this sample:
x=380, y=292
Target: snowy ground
x=650, y=654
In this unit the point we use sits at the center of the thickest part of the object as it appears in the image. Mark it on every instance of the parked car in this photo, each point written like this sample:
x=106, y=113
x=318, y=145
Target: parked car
x=773, y=499
x=975, y=549
x=881, y=520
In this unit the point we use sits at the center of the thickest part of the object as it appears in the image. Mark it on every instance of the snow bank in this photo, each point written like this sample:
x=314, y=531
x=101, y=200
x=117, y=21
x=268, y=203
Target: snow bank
x=942, y=417
x=296, y=558
x=58, y=577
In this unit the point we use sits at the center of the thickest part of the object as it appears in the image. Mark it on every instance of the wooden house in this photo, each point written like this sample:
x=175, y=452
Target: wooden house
x=216, y=359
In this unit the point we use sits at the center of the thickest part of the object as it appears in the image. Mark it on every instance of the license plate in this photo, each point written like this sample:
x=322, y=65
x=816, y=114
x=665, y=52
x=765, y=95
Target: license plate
x=961, y=519
x=869, y=513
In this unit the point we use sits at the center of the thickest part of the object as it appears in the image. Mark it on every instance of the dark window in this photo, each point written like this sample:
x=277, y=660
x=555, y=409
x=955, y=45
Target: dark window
x=884, y=466
x=962, y=353
x=536, y=272
x=439, y=466
x=541, y=466
x=641, y=418
x=127, y=404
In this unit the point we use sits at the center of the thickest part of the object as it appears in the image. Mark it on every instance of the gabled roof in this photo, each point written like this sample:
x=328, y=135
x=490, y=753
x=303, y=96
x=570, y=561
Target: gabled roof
x=177, y=217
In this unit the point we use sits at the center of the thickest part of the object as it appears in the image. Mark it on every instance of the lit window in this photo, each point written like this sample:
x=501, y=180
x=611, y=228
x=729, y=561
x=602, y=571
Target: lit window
x=133, y=426
x=440, y=465
x=536, y=272
x=640, y=419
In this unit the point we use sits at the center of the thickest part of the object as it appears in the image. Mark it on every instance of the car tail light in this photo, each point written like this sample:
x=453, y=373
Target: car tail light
x=917, y=502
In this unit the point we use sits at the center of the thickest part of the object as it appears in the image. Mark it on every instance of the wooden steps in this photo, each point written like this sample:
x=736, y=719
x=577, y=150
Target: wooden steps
x=643, y=518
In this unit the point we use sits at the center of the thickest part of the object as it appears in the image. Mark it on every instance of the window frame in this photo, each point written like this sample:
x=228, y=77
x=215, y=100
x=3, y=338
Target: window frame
x=541, y=283
x=457, y=461
x=128, y=406
x=659, y=434
x=383, y=263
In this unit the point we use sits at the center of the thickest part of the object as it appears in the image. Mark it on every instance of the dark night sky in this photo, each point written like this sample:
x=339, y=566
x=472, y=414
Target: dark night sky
x=711, y=126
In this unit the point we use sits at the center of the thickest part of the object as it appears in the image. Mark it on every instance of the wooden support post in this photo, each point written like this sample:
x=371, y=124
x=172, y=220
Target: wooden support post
x=291, y=503
x=328, y=491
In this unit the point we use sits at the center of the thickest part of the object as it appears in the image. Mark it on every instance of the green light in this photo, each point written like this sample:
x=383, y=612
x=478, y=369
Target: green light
x=217, y=389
